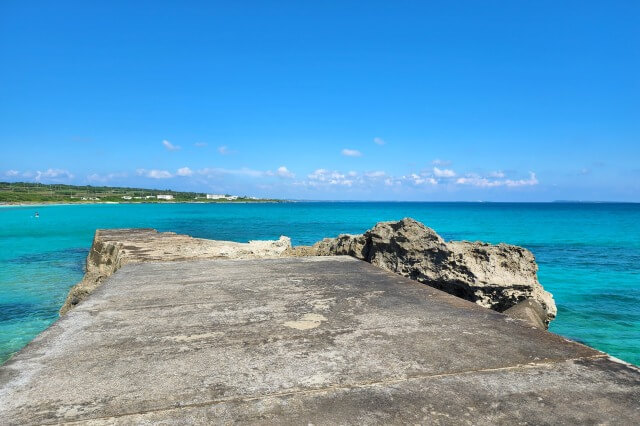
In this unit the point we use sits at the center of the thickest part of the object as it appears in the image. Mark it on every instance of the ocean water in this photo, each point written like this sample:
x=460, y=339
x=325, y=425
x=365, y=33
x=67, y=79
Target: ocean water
x=589, y=254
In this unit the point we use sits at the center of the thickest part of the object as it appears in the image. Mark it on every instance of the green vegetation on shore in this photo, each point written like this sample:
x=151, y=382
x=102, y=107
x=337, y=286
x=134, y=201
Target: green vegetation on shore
x=23, y=192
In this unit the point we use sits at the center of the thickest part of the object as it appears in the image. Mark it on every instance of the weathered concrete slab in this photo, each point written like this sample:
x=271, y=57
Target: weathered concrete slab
x=113, y=248
x=302, y=340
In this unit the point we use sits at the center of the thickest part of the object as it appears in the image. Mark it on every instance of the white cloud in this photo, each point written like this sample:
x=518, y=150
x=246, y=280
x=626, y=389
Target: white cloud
x=373, y=180
x=11, y=173
x=445, y=173
x=224, y=150
x=420, y=179
x=532, y=180
x=323, y=176
x=379, y=141
x=474, y=181
x=53, y=174
x=351, y=152
x=159, y=174
x=154, y=174
x=184, y=171
x=170, y=146
x=329, y=178
x=200, y=144
x=484, y=182
x=427, y=180
x=284, y=172
x=439, y=162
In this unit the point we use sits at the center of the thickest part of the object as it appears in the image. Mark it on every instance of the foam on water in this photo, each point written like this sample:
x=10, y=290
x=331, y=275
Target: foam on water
x=589, y=254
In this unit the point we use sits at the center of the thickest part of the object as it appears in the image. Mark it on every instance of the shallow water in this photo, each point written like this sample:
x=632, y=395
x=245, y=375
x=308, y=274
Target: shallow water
x=589, y=254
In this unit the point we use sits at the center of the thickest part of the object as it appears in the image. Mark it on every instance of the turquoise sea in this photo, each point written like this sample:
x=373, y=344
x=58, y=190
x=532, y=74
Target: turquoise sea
x=589, y=254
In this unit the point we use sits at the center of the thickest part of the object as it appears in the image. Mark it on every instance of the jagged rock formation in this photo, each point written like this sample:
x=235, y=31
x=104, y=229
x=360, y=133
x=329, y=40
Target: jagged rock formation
x=494, y=276
x=114, y=248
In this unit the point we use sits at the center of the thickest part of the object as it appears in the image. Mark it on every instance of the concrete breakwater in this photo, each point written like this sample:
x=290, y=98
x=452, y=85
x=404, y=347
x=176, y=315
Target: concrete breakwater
x=500, y=277
x=301, y=340
x=113, y=248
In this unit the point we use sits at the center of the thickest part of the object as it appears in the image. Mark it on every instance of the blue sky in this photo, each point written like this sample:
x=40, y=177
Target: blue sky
x=497, y=101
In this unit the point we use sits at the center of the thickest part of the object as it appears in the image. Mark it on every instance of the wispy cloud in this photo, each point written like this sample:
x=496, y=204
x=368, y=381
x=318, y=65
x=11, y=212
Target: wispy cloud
x=335, y=178
x=379, y=141
x=484, y=182
x=200, y=144
x=184, y=171
x=154, y=174
x=281, y=171
x=49, y=175
x=224, y=150
x=351, y=152
x=435, y=178
x=532, y=180
x=324, y=176
x=53, y=175
x=444, y=173
x=441, y=163
x=428, y=181
x=419, y=179
x=169, y=146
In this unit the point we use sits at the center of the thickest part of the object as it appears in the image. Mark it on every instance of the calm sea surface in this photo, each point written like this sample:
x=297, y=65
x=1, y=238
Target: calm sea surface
x=589, y=254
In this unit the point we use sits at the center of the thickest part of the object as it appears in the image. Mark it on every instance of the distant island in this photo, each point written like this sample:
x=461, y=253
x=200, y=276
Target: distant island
x=25, y=192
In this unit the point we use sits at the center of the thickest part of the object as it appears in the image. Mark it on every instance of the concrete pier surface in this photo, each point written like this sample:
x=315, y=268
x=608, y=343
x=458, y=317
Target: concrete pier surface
x=317, y=340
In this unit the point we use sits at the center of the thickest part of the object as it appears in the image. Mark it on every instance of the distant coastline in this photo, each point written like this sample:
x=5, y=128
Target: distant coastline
x=35, y=194
x=81, y=203
x=277, y=201
x=30, y=194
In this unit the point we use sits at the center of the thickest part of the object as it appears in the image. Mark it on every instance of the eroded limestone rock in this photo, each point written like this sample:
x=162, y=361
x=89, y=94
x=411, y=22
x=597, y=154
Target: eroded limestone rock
x=494, y=276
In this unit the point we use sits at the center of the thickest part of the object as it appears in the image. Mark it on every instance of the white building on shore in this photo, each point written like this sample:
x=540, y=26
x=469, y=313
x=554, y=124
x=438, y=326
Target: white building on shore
x=221, y=197
x=164, y=197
